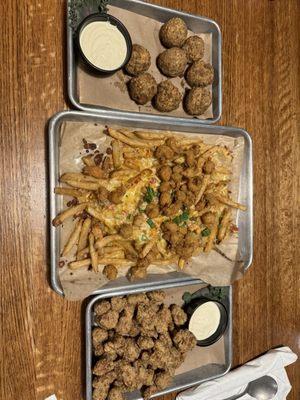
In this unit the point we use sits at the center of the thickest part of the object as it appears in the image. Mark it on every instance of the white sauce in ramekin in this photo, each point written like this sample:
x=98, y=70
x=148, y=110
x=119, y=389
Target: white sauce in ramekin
x=205, y=320
x=104, y=45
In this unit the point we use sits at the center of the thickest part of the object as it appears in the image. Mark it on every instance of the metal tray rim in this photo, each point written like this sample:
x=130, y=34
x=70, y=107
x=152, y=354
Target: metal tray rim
x=82, y=107
x=88, y=344
x=51, y=159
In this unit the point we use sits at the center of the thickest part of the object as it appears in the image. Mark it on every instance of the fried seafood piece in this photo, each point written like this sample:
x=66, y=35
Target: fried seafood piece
x=100, y=393
x=164, y=152
x=164, y=320
x=178, y=315
x=142, y=88
x=138, y=298
x=146, y=317
x=140, y=60
x=107, y=379
x=184, y=341
x=125, y=320
x=173, y=33
x=129, y=376
x=149, y=391
x=99, y=335
x=145, y=343
x=144, y=375
x=197, y=101
x=131, y=350
x=157, y=296
x=109, y=320
x=102, y=307
x=134, y=330
x=172, y=62
x=98, y=349
x=118, y=303
x=115, y=393
x=103, y=366
x=110, y=351
x=110, y=272
x=162, y=379
x=194, y=48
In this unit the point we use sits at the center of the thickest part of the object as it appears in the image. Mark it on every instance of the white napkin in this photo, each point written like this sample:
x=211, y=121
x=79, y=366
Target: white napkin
x=52, y=397
x=235, y=382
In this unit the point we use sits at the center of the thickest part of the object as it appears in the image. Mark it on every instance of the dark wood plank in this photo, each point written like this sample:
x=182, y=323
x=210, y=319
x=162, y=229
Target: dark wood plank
x=41, y=334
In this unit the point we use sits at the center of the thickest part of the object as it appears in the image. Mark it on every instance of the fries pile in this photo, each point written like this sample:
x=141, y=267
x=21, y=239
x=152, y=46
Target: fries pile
x=153, y=198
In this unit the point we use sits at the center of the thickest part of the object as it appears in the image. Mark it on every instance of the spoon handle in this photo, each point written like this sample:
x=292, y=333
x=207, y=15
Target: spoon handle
x=236, y=396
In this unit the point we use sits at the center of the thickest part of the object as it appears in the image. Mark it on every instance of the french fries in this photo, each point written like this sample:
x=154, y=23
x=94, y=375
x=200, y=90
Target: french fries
x=73, y=239
x=149, y=200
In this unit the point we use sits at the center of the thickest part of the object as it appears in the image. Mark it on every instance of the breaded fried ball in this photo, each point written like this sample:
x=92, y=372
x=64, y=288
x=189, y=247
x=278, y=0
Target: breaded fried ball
x=99, y=336
x=109, y=320
x=118, y=303
x=168, y=97
x=197, y=101
x=178, y=315
x=102, y=307
x=194, y=48
x=162, y=379
x=110, y=272
x=200, y=74
x=184, y=340
x=103, y=366
x=115, y=393
x=172, y=62
x=173, y=32
x=139, y=62
x=142, y=88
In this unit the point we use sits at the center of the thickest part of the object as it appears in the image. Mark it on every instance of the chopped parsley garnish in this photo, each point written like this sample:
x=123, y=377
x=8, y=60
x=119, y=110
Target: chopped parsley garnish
x=205, y=232
x=150, y=194
x=181, y=218
x=150, y=223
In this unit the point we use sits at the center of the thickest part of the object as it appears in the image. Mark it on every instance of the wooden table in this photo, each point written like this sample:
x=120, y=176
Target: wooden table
x=41, y=333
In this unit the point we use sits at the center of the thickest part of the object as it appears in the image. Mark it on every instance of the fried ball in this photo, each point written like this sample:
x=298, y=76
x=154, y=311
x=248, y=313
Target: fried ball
x=109, y=320
x=172, y=62
x=197, y=101
x=168, y=97
x=102, y=307
x=110, y=351
x=165, y=173
x=115, y=393
x=146, y=317
x=142, y=88
x=110, y=272
x=173, y=144
x=103, y=366
x=162, y=379
x=164, y=320
x=184, y=340
x=119, y=343
x=145, y=343
x=99, y=336
x=126, y=231
x=140, y=60
x=100, y=393
x=200, y=74
x=134, y=330
x=145, y=375
x=194, y=48
x=118, y=303
x=173, y=32
x=164, y=152
x=178, y=315
x=137, y=272
x=208, y=167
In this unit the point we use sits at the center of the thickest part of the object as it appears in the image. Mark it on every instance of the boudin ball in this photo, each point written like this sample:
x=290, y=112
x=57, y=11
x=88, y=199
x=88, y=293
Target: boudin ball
x=194, y=48
x=168, y=97
x=200, y=74
x=140, y=60
x=142, y=88
x=172, y=62
x=197, y=101
x=173, y=33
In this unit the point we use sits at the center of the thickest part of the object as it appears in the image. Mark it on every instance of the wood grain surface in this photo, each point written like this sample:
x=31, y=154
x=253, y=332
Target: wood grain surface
x=41, y=333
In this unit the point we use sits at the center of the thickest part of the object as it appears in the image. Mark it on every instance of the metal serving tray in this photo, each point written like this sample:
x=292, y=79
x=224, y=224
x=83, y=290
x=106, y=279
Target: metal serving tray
x=195, y=23
x=180, y=382
x=244, y=219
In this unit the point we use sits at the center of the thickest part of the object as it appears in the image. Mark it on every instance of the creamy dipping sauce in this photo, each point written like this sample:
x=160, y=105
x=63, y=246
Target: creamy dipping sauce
x=103, y=45
x=205, y=320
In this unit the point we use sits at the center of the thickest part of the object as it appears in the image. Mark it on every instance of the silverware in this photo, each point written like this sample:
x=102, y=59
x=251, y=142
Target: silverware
x=264, y=388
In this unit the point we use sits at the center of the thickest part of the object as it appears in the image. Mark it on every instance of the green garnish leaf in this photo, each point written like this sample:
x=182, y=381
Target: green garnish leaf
x=218, y=293
x=187, y=297
x=150, y=194
x=205, y=232
x=150, y=223
x=181, y=218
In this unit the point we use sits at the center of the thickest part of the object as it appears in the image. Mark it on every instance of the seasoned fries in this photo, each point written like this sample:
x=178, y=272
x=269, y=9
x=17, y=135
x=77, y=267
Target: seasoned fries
x=154, y=198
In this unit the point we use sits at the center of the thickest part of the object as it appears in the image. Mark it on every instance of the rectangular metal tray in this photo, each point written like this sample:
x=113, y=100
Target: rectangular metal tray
x=195, y=23
x=244, y=220
x=180, y=382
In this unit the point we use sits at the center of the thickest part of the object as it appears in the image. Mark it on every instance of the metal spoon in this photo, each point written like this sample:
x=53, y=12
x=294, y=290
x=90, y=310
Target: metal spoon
x=264, y=388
